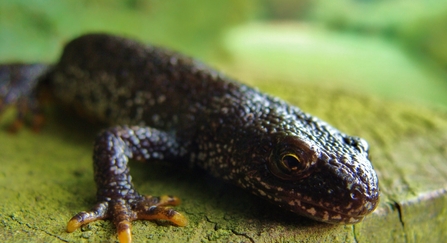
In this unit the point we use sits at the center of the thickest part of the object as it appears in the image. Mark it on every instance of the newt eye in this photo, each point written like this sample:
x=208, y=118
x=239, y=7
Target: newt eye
x=290, y=163
x=292, y=159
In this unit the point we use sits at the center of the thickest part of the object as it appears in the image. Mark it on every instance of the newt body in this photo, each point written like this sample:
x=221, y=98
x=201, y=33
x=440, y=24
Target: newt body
x=173, y=108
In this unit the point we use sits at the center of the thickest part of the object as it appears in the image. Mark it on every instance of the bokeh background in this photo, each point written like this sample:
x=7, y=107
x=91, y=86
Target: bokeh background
x=393, y=50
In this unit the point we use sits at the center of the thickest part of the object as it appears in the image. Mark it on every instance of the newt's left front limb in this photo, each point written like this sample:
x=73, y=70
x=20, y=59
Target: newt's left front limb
x=116, y=197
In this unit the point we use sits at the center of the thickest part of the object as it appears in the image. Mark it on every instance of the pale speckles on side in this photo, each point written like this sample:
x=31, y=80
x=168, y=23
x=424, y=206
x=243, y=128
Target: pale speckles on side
x=262, y=193
x=99, y=97
x=353, y=220
x=265, y=185
x=336, y=217
x=173, y=61
x=161, y=99
x=311, y=211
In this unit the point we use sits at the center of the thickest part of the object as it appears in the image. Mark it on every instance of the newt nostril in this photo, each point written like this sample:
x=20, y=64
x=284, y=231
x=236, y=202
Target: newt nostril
x=357, y=193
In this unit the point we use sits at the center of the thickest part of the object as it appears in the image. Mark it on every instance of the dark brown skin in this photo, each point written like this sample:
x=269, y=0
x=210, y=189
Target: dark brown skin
x=172, y=108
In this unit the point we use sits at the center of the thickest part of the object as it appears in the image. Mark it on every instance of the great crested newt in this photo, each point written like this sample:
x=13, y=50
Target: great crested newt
x=165, y=106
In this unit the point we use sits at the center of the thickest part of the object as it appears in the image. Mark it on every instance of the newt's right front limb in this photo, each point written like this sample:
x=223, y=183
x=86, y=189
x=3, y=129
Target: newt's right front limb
x=116, y=197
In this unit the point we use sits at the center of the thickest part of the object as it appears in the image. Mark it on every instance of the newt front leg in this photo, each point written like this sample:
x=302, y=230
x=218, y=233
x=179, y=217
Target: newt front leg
x=116, y=197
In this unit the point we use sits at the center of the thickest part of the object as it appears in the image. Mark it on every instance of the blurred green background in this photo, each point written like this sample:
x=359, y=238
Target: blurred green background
x=391, y=49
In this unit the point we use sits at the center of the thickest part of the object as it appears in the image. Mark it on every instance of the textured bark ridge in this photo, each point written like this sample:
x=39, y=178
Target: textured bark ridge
x=47, y=177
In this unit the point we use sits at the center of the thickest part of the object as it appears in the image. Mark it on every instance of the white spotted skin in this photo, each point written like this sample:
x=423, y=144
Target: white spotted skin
x=231, y=130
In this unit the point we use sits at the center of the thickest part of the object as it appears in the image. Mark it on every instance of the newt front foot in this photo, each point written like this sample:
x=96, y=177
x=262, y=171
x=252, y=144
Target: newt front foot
x=123, y=211
x=116, y=196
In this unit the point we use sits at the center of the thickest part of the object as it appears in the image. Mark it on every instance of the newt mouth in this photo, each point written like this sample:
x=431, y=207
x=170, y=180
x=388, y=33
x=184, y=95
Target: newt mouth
x=332, y=215
x=340, y=210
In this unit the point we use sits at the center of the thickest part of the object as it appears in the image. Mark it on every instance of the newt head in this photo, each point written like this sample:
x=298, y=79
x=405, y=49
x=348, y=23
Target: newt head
x=329, y=179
